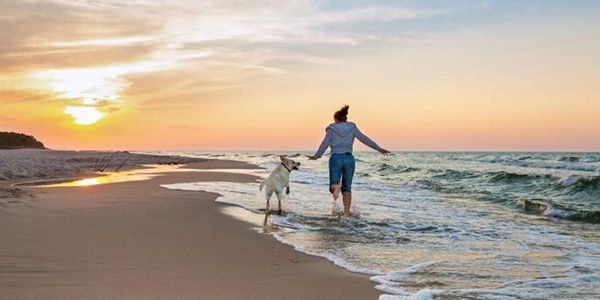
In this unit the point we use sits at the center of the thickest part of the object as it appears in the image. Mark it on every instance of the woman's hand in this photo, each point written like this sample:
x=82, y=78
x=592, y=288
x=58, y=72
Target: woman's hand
x=311, y=157
x=384, y=152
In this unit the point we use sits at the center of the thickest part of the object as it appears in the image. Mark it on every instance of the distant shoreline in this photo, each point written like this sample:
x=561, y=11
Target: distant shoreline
x=31, y=164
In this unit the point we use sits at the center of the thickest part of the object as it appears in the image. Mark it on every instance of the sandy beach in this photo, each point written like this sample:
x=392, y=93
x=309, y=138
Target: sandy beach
x=137, y=240
x=305, y=149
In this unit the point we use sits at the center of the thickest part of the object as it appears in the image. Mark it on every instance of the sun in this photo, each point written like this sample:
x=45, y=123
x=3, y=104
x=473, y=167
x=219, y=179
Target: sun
x=84, y=115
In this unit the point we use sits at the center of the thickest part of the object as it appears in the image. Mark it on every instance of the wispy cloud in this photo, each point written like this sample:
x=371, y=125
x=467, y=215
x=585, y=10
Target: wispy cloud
x=86, y=50
x=372, y=14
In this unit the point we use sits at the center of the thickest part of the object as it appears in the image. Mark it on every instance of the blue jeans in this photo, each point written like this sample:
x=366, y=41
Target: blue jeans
x=341, y=167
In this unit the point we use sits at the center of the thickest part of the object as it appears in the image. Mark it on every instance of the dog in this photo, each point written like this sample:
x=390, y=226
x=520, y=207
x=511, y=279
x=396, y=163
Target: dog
x=279, y=179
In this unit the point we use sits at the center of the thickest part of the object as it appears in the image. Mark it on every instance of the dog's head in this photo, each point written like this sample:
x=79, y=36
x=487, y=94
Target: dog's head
x=290, y=164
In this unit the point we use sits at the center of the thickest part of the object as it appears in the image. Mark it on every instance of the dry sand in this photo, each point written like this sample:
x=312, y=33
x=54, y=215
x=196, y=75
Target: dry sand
x=136, y=240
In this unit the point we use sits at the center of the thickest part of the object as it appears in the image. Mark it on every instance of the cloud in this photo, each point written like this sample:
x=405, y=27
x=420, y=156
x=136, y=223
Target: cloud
x=49, y=34
x=58, y=33
x=90, y=51
x=373, y=14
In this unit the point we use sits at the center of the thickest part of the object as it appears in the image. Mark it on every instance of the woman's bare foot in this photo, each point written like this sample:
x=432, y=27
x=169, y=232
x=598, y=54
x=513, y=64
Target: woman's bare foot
x=335, y=190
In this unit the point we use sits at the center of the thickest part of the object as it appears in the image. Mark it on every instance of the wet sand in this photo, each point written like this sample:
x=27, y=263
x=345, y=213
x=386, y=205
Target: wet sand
x=137, y=240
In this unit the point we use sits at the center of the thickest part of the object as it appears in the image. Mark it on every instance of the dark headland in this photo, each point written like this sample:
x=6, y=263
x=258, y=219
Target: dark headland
x=13, y=140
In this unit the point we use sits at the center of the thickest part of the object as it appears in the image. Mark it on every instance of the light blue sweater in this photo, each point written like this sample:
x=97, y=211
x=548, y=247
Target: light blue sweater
x=340, y=137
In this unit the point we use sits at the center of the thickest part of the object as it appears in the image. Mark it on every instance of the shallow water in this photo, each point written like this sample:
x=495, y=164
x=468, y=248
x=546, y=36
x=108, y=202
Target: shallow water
x=446, y=225
x=148, y=172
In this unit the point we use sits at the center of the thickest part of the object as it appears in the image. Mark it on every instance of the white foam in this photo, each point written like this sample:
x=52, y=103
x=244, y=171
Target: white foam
x=338, y=261
x=424, y=294
x=388, y=282
x=570, y=180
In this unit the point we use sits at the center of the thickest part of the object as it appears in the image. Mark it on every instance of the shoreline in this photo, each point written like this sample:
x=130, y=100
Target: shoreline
x=31, y=164
x=187, y=267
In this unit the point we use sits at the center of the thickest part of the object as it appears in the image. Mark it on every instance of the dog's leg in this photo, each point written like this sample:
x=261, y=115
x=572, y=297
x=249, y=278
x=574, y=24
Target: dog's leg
x=268, y=195
x=287, y=189
x=279, y=196
x=265, y=222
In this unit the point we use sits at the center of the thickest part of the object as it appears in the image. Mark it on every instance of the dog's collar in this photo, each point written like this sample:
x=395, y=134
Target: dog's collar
x=286, y=167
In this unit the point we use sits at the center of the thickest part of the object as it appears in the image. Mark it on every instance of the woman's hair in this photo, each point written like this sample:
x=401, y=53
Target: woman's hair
x=342, y=114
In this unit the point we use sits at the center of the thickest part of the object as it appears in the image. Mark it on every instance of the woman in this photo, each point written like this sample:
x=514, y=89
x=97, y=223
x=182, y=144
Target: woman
x=340, y=137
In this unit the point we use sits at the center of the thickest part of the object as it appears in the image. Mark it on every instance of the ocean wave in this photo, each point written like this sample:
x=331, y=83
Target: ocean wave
x=396, y=169
x=509, y=177
x=579, y=182
x=574, y=197
x=436, y=186
x=562, y=163
x=569, y=158
x=590, y=159
x=452, y=174
x=558, y=211
x=493, y=177
x=489, y=158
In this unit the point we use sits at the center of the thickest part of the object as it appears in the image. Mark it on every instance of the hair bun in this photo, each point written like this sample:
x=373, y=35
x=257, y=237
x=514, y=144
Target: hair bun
x=345, y=109
x=342, y=114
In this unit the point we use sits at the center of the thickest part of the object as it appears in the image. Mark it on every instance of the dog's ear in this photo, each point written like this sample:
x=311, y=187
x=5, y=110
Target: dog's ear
x=282, y=157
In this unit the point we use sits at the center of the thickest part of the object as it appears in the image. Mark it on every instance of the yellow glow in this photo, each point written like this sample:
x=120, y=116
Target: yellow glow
x=137, y=175
x=87, y=181
x=92, y=87
x=84, y=115
x=110, y=178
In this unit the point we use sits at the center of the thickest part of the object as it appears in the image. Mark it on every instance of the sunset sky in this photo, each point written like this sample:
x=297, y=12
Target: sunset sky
x=268, y=75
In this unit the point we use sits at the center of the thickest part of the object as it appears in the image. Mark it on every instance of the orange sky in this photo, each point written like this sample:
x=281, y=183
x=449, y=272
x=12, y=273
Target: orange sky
x=268, y=75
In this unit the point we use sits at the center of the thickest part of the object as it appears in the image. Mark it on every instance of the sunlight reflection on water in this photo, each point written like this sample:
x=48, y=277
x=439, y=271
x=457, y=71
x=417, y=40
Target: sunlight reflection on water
x=134, y=175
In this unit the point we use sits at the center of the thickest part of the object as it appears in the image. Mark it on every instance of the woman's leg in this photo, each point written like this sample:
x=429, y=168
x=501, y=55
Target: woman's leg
x=347, y=176
x=335, y=175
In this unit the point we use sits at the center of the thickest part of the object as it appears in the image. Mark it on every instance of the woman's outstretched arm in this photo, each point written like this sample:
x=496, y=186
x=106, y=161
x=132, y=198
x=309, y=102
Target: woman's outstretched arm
x=369, y=142
x=324, y=144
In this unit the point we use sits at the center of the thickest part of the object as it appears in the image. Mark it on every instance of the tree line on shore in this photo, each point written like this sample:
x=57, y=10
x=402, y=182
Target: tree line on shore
x=14, y=140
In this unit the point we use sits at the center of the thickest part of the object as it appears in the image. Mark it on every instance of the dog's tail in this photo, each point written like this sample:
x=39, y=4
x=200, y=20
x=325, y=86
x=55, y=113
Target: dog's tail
x=262, y=184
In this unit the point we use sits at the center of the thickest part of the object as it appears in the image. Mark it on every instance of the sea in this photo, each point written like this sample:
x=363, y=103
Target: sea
x=442, y=225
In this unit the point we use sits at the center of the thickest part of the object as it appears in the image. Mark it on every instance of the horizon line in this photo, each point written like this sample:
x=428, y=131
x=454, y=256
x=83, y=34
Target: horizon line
x=312, y=150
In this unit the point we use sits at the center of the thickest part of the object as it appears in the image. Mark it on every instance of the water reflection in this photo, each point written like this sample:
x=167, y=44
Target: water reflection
x=114, y=177
x=136, y=175
x=110, y=178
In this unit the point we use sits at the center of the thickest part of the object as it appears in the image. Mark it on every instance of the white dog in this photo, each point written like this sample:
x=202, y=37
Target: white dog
x=278, y=179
